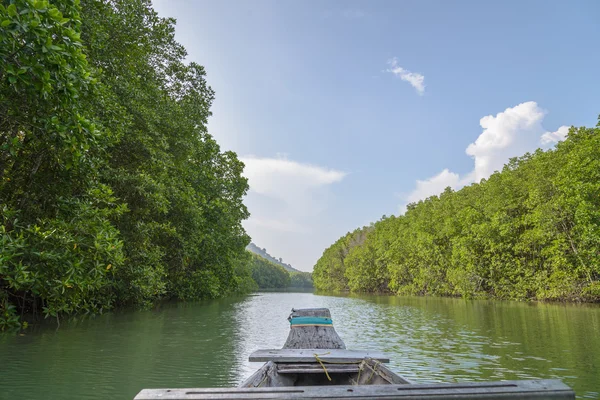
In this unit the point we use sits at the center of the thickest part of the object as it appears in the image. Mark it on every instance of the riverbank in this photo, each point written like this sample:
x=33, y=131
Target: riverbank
x=482, y=296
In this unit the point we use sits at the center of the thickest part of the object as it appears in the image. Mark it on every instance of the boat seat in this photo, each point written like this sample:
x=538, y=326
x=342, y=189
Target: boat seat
x=316, y=368
x=308, y=356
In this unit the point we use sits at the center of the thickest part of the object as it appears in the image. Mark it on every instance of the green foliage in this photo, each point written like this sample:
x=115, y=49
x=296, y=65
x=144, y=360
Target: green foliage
x=268, y=275
x=301, y=280
x=243, y=275
x=68, y=262
x=531, y=231
x=9, y=320
x=57, y=240
x=112, y=191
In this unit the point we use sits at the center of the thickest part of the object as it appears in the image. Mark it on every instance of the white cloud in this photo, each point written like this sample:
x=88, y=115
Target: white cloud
x=285, y=193
x=288, y=202
x=276, y=225
x=556, y=136
x=508, y=134
x=433, y=185
x=278, y=177
x=414, y=78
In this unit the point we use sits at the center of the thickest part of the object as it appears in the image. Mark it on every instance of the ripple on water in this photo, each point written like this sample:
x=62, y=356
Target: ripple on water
x=207, y=344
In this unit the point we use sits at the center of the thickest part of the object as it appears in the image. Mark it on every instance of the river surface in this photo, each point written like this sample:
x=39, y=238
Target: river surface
x=207, y=344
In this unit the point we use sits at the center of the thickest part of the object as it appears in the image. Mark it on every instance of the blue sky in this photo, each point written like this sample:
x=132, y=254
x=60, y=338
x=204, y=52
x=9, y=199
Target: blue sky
x=346, y=110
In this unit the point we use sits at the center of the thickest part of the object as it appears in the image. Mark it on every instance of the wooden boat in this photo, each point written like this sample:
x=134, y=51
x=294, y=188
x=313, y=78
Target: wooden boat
x=315, y=364
x=314, y=354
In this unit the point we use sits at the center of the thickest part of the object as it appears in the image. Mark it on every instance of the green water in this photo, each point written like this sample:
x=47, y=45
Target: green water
x=207, y=344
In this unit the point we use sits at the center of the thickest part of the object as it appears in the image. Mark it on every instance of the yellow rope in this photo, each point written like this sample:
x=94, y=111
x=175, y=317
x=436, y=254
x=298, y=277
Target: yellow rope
x=358, y=376
x=263, y=381
x=333, y=362
x=373, y=371
x=323, y=365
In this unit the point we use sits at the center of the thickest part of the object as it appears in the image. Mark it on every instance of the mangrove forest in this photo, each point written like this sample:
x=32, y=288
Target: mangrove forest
x=112, y=192
x=529, y=232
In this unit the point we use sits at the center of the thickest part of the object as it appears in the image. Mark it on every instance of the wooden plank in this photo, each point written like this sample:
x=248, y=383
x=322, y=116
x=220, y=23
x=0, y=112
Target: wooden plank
x=308, y=355
x=306, y=368
x=313, y=337
x=375, y=373
x=311, y=312
x=267, y=376
x=523, y=390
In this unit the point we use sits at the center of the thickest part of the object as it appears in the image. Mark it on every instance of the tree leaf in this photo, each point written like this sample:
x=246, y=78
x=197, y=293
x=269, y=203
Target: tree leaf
x=12, y=10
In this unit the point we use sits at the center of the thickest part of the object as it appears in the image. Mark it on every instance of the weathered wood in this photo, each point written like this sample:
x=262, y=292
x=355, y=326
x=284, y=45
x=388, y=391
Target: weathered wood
x=523, y=390
x=316, y=368
x=367, y=372
x=373, y=372
x=310, y=312
x=308, y=355
x=313, y=337
x=267, y=376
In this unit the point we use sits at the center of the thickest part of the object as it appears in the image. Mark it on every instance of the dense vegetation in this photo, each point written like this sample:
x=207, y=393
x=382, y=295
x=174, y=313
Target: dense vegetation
x=301, y=280
x=269, y=275
x=111, y=190
x=530, y=231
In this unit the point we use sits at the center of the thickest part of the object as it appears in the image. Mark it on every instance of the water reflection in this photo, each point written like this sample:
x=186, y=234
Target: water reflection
x=434, y=339
x=207, y=344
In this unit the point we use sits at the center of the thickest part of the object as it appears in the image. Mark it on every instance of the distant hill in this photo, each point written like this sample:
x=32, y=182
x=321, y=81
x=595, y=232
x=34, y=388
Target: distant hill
x=263, y=253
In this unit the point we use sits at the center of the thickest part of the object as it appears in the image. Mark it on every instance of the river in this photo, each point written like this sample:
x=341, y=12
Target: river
x=207, y=344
